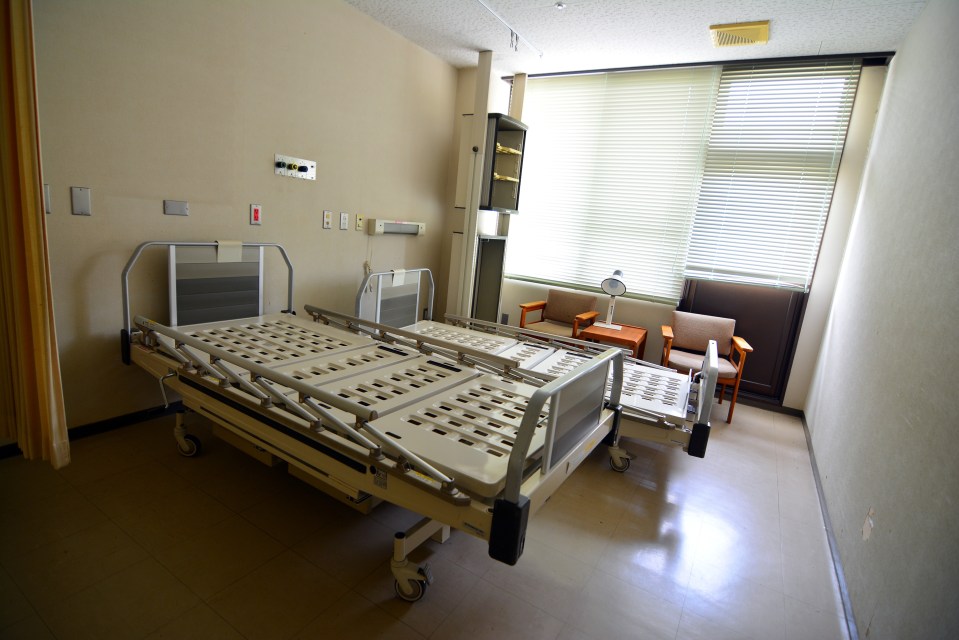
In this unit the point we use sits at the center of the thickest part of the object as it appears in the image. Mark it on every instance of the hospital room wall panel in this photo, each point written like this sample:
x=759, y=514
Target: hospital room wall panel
x=187, y=100
x=883, y=405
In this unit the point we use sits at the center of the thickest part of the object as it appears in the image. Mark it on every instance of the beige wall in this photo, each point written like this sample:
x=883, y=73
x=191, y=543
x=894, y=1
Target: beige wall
x=189, y=100
x=883, y=406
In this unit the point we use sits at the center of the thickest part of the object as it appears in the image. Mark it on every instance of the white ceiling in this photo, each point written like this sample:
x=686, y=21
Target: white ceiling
x=605, y=34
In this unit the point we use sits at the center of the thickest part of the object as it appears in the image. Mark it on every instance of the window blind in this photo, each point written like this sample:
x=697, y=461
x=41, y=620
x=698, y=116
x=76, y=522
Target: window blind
x=771, y=162
x=612, y=169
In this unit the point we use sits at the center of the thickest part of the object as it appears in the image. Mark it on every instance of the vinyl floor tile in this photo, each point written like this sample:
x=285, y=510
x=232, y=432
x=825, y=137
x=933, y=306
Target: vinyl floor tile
x=488, y=613
x=452, y=584
x=279, y=598
x=134, y=541
x=60, y=569
x=199, y=623
x=353, y=617
x=14, y=606
x=611, y=608
x=129, y=604
x=219, y=555
x=31, y=628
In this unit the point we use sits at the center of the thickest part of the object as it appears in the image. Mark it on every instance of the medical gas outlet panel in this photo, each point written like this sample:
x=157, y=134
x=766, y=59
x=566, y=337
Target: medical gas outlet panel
x=294, y=167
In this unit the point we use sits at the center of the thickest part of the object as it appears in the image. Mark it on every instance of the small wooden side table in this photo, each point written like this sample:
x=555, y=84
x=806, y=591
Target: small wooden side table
x=628, y=336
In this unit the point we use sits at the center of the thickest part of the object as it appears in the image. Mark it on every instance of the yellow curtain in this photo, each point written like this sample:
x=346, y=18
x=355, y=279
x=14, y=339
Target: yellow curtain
x=31, y=392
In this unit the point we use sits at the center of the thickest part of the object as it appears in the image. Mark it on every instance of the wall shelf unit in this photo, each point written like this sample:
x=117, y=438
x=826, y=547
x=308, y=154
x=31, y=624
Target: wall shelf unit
x=502, y=163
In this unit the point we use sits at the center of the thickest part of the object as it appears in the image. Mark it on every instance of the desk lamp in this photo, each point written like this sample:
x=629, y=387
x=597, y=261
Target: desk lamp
x=613, y=286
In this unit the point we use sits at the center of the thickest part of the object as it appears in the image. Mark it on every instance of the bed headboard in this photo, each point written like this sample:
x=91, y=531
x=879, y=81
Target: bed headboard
x=393, y=297
x=213, y=283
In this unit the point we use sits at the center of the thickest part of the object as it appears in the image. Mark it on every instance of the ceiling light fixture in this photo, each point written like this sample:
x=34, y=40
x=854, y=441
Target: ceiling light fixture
x=514, y=37
x=559, y=6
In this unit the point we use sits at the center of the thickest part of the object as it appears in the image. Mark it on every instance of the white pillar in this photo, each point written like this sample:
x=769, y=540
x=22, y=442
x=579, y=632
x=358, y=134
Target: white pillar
x=477, y=142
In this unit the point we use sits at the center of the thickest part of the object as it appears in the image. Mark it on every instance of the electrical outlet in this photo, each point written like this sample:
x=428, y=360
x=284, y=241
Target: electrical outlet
x=256, y=214
x=327, y=219
x=344, y=221
x=359, y=222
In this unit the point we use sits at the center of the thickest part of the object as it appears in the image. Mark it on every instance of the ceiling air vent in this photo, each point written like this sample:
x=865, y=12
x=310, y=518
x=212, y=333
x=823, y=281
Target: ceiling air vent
x=740, y=33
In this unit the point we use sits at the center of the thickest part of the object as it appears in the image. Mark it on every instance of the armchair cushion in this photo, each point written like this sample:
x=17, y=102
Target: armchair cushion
x=564, y=306
x=550, y=327
x=694, y=331
x=683, y=362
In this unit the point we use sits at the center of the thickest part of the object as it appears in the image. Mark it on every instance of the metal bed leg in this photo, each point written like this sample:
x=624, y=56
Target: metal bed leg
x=411, y=580
x=187, y=444
x=618, y=457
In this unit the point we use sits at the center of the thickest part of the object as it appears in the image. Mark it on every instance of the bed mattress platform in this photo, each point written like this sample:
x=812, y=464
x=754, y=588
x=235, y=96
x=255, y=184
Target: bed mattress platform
x=470, y=428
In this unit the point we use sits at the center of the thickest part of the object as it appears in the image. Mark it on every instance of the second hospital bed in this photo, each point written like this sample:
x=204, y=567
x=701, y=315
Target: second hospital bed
x=659, y=404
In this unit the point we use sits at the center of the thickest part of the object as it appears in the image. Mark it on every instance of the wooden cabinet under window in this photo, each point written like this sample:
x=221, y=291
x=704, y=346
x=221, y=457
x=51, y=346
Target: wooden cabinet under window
x=502, y=163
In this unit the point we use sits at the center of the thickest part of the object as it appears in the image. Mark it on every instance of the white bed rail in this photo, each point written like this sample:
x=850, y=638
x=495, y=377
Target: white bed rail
x=424, y=344
x=363, y=291
x=708, y=375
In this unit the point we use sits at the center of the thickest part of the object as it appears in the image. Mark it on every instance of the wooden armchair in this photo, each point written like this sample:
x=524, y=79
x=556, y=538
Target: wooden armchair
x=685, y=341
x=563, y=313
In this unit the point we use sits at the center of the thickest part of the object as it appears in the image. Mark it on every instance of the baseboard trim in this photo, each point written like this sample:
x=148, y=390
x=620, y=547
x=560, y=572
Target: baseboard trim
x=763, y=402
x=851, y=627
x=102, y=426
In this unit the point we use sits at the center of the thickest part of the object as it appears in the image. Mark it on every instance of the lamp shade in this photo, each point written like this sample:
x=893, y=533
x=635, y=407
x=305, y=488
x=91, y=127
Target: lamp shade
x=614, y=285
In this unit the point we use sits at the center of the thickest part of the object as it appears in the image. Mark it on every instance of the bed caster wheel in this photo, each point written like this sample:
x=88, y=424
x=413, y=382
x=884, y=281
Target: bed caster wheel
x=189, y=447
x=620, y=465
x=410, y=584
x=417, y=589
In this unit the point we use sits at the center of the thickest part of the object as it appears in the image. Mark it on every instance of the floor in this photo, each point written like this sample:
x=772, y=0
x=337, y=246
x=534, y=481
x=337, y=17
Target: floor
x=132, y=540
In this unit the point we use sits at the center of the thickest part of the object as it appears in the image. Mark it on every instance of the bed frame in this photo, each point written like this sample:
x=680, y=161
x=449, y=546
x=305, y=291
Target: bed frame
x=446, y=430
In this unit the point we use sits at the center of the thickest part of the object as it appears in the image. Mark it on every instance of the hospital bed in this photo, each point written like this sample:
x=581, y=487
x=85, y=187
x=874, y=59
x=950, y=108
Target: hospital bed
x=659, y=405
x=445, y=430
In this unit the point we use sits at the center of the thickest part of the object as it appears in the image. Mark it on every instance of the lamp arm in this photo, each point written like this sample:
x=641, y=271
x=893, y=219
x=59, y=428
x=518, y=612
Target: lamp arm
x=609, y=312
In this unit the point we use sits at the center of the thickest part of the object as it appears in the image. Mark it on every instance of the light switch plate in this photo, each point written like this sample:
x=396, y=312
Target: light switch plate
x=327, y=219
x=344, y=220
x=176, y=208
x=80, y=201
